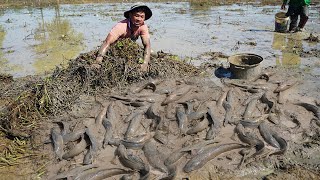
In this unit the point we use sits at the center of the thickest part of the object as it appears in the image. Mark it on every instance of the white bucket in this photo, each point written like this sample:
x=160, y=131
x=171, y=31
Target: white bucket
x=281, y=22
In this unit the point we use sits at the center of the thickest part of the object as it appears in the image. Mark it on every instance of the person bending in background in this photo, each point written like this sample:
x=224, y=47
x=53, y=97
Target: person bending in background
x=296, y=8
x=132, y=27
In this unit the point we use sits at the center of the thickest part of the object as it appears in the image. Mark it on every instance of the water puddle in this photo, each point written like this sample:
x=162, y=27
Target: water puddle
x=35, y=40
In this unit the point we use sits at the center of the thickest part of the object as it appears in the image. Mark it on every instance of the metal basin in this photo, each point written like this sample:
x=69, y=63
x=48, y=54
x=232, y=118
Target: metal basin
x=245, y=65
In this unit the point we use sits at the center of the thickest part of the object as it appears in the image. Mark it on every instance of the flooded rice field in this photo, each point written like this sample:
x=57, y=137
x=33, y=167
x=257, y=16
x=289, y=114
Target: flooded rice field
x=35, y=40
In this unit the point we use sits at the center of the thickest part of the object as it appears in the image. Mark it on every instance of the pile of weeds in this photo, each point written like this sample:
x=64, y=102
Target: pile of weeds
x=21, y=113
x=20, y=153
x=120, y=68
x=22, y=106
x=32, y=100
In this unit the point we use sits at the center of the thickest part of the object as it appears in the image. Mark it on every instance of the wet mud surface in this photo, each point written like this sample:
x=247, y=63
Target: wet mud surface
x=295, y=128
x=198, y=128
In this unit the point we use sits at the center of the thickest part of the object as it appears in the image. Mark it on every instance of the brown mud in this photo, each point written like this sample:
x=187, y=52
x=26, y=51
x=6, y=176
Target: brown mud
x=78, y=94
x=29, y=103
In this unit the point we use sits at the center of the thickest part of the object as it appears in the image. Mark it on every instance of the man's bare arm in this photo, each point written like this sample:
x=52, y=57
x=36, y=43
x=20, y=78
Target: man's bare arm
x=147, y=49
x=104, y=47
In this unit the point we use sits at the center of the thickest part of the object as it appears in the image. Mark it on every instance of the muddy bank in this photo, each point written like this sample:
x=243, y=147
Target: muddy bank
x=160, y=121
x=29, y=103
x=264, y=128
x=173, y=114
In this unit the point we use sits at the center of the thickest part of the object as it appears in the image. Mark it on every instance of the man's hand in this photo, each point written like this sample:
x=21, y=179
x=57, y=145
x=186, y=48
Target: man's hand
x=99, y=59
x=96, y=64
x=144, y=67
x=283, y=6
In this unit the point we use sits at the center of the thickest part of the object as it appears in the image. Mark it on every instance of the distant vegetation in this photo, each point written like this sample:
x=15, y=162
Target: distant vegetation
x=44, y=3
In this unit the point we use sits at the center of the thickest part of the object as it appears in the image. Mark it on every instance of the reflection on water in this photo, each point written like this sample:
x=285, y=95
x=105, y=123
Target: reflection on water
x=4, y=63
x=200, y=12
x=198, y=5
x=58, y=42
x=279, y=41
x=288, y=60
x=3, y=60
x=290, y=46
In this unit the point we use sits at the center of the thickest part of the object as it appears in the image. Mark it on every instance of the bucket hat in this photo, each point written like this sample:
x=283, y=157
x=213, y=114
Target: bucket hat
x=147, y=10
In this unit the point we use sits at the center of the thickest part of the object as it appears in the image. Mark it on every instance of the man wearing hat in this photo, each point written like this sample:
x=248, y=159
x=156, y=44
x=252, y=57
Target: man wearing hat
x=131, y=27
x=297, y=8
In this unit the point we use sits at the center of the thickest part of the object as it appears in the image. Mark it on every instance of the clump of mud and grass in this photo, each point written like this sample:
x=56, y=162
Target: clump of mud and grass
x=28, y=102
x=312, y=38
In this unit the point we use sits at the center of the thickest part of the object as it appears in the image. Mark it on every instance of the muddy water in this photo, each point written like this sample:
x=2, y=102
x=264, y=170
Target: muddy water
x=35, y=40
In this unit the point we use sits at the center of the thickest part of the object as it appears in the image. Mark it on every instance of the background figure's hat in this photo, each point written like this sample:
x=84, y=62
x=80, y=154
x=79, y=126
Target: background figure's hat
x=147, y=10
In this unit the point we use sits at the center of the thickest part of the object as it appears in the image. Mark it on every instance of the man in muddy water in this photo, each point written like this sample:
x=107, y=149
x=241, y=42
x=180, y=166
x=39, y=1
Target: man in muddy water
x=132, y=27
x=296, y=8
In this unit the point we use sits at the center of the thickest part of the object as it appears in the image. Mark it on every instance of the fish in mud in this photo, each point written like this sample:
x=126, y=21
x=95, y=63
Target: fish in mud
x=64, y=127
x=137, y=142
x=89, y=157
x=264, y=75
x=160, y=137
x=176, y=155
x=154, y=157
x=189, y=107
x=215, y=125
x=182, y=120
x=285, y=85
x=153, y=112
x=274, y=118
x=73, y=172
x=197, y=115
x=109, y=132
x=222, y=98
x=310, y=107
x=76, y=150
x=266, y=133
x=256, y=96
x=282, y=143
x=176, y=95
x=101, y=173
x=202, y=125
x=208, y=154
x=111, y=114
x=132, y=115
x=149, y=85
x=127, y=177
x=133, y=126
x=57, y=141
x=92, y=139
x=251, y=106
x=249, y=139
x=101, y=115
x=228, y=115
x=253, y=122
x=228, y=106
x=131, y=161
x=264, y=99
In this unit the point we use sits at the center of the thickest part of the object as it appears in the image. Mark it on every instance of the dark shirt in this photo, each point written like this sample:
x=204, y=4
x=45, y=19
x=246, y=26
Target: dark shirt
x=297, y=2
